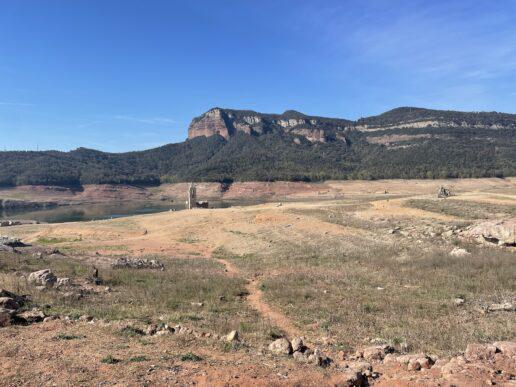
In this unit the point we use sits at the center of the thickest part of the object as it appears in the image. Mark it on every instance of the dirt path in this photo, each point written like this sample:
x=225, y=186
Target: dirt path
x=255, y=299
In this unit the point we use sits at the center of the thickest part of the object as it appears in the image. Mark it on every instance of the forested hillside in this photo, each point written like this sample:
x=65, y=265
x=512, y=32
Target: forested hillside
x=431, y=152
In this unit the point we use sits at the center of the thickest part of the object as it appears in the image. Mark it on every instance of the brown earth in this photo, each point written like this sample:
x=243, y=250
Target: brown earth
x=32, y=355
x=280, y=190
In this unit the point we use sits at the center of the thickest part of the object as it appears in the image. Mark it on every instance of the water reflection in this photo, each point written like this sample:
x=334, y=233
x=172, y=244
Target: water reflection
x=88, y=212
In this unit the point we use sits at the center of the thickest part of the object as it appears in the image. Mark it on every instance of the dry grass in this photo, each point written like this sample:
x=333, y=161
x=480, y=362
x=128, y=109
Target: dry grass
x=145, y=295
x=331, y=271
x=463, y=208
x=399, y=296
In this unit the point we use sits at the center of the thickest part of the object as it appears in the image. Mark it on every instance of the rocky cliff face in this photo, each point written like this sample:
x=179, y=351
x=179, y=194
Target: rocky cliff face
x=227, y=122
x=210, y=123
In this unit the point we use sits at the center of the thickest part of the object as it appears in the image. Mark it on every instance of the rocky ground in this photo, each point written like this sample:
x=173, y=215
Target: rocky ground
x=371, y=288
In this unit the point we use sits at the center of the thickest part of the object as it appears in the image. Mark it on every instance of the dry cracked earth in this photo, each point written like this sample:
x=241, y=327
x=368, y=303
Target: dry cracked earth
x=386, y=285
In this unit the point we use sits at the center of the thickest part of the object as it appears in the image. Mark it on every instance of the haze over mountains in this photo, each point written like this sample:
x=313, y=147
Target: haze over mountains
x=227, y=145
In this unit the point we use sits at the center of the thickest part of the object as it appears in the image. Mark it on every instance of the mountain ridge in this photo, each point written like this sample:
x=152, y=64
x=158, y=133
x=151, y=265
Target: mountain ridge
x=226, y=122
x=243, y=145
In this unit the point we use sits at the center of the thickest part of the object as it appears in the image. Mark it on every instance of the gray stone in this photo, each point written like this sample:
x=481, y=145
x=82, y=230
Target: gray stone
x=281, y=347
x=43, y=278
x=63, y=282
x=297, y=344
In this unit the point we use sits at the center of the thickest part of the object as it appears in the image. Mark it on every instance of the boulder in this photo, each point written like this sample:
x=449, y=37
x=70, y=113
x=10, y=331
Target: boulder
x=20, y=300
x=11, y=242
x=63, y=282
x=352, y=378
x=297, y=344
x=507, y=348
x=30, y=316
x=43, y=278
x=504, y=307
x=302, y=357
x=281, y=347
x=454, y=366
x=318, y=359
x=361, y=366
x=8, y=303
x=377, y=352
x=500, y=232
x=480, y=352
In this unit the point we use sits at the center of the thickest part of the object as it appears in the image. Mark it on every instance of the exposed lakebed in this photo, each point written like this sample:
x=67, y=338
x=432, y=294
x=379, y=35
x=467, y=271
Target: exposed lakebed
x=88, y=212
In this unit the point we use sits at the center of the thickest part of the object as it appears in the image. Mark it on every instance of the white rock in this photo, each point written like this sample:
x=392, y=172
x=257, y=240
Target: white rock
x=43, y=278
x=458, y=252
x=232, y=336
x=281, y=347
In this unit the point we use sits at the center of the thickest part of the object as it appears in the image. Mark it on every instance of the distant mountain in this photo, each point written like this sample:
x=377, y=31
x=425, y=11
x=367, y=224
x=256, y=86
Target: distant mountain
x=227, y=122
x=226, y=145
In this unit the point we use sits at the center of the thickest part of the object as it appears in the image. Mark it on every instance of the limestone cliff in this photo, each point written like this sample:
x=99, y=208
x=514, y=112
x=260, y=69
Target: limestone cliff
x=227, y=122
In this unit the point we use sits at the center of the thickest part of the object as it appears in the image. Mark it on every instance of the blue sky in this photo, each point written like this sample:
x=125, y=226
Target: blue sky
x=121, y=75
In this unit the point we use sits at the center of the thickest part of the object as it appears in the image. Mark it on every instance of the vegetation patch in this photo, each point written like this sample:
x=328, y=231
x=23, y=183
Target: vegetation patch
x=190, y=357
x=109, y=359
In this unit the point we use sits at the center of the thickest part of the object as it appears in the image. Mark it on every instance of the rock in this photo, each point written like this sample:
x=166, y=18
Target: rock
x=458, y=252
x=413, y=365
x=505, y=307
x=281, y=347
x=361, y=366
x=8, y=303
x=30, y=316
x=390, y=358
x=11, y=242
x=352, y=378
x=425, y=362
x=507, y=348
x=447, y=234
x=137, y=263
x=418, y=363
x=228, y=123
x=499, y=232
x=375, y=353
x=5, y=317
x=302, y=357
x=404, y=359
x=480, y=352
x=454, y=366
x=459, y=301
x=43, y=278
x=63, y=282
x=297, y=344
x=318, y=359
x=151, y=329
x=232, y=336
x=20, y=300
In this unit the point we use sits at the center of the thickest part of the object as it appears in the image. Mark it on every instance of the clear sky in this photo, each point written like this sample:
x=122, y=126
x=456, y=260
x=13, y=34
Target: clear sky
x=120, y=75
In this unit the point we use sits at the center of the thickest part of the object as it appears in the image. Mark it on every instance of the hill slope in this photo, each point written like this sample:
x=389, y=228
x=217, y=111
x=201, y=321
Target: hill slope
x=230, y=145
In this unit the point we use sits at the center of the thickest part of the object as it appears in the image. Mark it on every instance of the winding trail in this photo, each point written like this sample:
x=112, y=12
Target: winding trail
x=255, y=299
